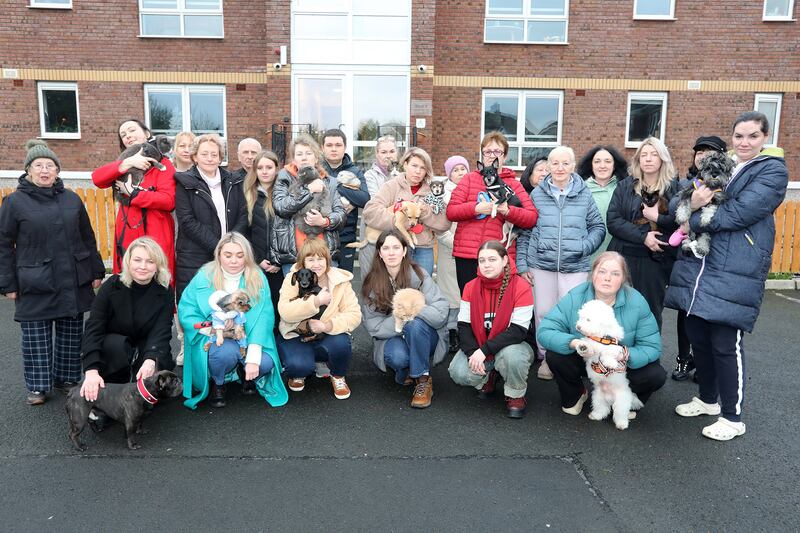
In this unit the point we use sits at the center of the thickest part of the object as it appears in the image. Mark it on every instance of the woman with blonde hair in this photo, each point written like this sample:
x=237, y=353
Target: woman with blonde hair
x=232, y=268
x=630, y=221
x=182, y=151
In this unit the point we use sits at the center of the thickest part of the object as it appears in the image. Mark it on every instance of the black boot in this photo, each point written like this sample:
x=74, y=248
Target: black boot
x=454, y=346
x=248, y=387
x=683, y=368
x=216, y=397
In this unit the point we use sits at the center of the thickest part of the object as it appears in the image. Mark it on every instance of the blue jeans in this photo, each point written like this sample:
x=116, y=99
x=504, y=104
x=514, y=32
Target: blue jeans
x=424, y=258
x=298, y=357
x=409, y=354
x=223, y=359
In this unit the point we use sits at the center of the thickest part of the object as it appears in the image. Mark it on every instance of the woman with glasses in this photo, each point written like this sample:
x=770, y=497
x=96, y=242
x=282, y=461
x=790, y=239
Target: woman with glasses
x=479, y=218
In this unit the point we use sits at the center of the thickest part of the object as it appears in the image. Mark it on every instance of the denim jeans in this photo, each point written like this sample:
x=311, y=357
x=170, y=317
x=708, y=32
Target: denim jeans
x=223, y=359
x=409, y=354
x=298, y=357
x=424, y=258
x=512, y=362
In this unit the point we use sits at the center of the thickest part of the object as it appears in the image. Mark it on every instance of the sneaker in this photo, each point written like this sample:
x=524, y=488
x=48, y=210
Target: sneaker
x=296, y=384
x=488, y=387
x=544, y=371
x=65, y=386
x=340, y=388
x=322, y=371
x=516, y=407
x=423, y=392
x=683, y=368
x=575, y=410
x=36, y=398
x=216, y=397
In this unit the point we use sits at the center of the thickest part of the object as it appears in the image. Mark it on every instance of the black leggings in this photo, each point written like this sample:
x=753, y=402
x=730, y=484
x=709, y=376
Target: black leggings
x=466, y=271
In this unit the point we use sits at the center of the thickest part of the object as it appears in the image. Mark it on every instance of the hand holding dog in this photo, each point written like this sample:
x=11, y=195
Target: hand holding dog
x=268, y=267
x=137, y=160
x=147, y=369
x=315, y=218
x=318, y=326
x=92, y=383
x=701, y=197
x=650, y=212
x=483, y=208
x=323, y=297
x=503, y=208
x=316, y=186
x=653, y=243
x=124, y=187
x=476, y=362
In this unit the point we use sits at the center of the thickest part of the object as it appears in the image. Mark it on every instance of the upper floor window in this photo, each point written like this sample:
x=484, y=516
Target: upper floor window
x=654, y=9
x=770, y=105
x=647, y=117
x=58, y=110
x=181, y=18
x=530, y=120
x=52, y=4
x=778, y=9
x=196, y=108
x=526, y=21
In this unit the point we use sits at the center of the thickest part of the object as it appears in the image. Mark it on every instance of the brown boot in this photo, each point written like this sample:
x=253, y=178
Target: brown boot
x=423, y=392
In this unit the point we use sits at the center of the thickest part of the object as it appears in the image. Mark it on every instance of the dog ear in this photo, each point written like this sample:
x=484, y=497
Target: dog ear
x=496, y=164
x=479, y=166
x=294, y=279
x=313, y=277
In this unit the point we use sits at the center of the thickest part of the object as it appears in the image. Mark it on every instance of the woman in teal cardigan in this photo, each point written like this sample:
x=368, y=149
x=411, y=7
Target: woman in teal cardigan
x=233, y=268
x=609, y=283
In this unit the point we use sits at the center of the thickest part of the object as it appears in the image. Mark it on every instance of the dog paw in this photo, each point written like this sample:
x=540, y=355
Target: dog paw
x=133, y=446
x=595, y=416
x=622, y=424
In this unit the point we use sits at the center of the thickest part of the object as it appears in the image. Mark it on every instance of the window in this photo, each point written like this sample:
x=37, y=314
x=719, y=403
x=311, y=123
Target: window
x=59, y=117
x=770, y=105
x=52, y=4
x=530, y=120
x=654, y=9
x=778, y=9
x=526, y=21
x=647, y=117
x=181, y=18
x=173, y=108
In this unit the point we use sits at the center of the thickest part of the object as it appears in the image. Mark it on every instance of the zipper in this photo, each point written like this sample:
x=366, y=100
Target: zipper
x=560, y=225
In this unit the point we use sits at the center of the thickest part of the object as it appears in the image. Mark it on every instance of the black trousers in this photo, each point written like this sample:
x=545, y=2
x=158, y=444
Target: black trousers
x=650, y=277
x=684, y=346
x=275, y=280
x=466, y=271
x=569, y=371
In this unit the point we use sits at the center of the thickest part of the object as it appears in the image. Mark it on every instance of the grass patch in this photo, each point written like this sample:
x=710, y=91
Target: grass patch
x=780, y=275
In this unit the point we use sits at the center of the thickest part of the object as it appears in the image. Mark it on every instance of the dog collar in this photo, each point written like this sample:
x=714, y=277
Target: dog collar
x=149, y=398
x=601, y=369
x=698, y=182
x=605, y=340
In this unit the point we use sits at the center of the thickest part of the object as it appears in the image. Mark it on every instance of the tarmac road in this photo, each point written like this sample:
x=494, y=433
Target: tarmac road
x=371, y=463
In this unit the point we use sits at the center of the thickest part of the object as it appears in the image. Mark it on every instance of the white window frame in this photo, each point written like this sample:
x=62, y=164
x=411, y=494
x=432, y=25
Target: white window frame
x=525, y=18
x=57, y=86
x=44, y=4
x=150, y=88
x=671, y=15
x=181, y=11
x=776, y=98
x=646, y=96
x=522, y=96
x=781, y=18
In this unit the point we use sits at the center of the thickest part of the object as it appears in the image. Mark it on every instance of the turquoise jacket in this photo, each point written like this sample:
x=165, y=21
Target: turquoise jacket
x=193, y=309
x=631, y=310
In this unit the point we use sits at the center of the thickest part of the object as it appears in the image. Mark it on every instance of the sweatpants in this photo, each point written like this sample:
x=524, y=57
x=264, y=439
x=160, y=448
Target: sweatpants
x=548, y=289
x=719, y=358
x=651, y=278
x=512, y=362
x=466, y=271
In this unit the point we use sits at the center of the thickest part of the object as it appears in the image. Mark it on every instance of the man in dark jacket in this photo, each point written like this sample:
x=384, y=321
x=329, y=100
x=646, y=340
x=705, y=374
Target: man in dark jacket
x=246, y=153
x=334, y=144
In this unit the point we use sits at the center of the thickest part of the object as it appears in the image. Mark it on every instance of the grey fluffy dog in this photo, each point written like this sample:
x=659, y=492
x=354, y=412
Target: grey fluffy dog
x=715, y=173
x=320, y=201
x=155, y=150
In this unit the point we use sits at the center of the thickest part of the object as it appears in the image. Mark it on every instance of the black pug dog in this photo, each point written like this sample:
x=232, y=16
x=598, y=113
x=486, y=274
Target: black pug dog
x=124, y=402
x=496, y=186
x=308, y=286
x=155, y=150
x=320, y=201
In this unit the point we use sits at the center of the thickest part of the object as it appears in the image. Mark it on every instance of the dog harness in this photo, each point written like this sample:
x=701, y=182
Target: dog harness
x=149, y=398
x=697, y=182
x=599, y=367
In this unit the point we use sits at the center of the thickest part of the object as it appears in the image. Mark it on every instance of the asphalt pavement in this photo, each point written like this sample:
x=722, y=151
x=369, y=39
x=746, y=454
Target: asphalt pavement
x=371, y=463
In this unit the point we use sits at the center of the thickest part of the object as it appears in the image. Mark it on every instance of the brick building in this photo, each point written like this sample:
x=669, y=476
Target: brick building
x=546, y=72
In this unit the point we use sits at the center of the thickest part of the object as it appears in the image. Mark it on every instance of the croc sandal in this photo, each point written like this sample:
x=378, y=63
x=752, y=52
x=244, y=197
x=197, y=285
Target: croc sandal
x=697, y=407
x=724, y=429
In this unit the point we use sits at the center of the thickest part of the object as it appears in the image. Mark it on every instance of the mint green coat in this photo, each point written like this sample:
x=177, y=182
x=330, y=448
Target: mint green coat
x=602, y=197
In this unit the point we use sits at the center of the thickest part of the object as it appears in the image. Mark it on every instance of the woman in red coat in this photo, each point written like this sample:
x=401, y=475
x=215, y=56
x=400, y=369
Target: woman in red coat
x=149, y=212
x=475, y=223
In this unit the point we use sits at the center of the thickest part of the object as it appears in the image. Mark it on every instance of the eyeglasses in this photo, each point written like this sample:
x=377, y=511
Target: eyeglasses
x=43, y=166
x=490, y=153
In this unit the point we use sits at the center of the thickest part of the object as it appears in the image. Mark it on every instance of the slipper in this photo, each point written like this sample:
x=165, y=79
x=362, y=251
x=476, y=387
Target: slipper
x=697, y=407
x=724, y=429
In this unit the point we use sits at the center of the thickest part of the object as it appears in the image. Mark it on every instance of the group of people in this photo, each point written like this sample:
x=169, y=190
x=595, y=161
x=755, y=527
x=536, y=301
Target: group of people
x=511, y=274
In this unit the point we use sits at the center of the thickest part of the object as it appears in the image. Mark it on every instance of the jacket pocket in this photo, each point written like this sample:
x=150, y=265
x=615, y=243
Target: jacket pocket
x=83, y=267
x=36, y=277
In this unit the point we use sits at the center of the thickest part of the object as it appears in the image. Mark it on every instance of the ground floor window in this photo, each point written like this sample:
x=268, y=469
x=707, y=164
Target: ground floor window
x=59, y=116
x=647, y=117
x=196, y=108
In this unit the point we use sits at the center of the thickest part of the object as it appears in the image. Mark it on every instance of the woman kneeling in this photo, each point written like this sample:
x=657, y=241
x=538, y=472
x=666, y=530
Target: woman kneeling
x=496, y=310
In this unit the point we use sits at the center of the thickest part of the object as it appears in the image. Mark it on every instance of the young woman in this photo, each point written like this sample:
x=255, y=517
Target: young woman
x=148, y=211
x=258, y=186
x=333, y=346
x=49, y=265
x=182, y=151
x=232, y=268
x=493, y=321
x=287, y=239
x=412, y=184
x=722, y=293
x=412, y=353
x=609, y=283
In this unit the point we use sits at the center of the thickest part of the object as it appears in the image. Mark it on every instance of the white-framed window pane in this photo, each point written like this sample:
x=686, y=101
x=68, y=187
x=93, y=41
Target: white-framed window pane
x=501, y=115
x=161, y=25
x=548, y=8
x=541, y=120
x=532, y=153
x=166, y=113
x=59, y=108
x=51, y=3
x=204, y=5
x=504, y=7
x=778, y=8
x=319, y=103
x=319, y=26
x=207, y=112
x=380, y=107
x=322, y=6
x=547, y=31
x=645, y=119
x=505, y=30
x=203, y=25
x=159, y=4
x=512, y=158
x=654, y=8
x=379, y=8
x=379, y=28
x=770, y=105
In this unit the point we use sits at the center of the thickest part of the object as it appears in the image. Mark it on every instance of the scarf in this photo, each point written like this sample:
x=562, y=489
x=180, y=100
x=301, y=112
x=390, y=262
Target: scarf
x=477, y=304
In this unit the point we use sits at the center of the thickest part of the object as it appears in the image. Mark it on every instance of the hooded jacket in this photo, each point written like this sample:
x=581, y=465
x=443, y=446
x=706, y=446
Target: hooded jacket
x=357, y=198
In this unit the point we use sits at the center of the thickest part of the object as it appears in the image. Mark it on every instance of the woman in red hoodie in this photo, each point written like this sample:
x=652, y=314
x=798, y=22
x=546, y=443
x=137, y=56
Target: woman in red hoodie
x=496, y=310
x=475, y=221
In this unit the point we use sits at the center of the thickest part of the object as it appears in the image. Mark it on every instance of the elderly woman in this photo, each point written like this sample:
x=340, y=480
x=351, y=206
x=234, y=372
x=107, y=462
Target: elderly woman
x=287, y=239
x=554, y=255
x=208, y=204
x=128, y=332
x=49, y=265
x=558, y=335
x=148, y=208
x=475, y=223
x=722, y=292
x=323, y=342
x=649, y=256
x=421, y=344
x=232, y=268
x=412, y=184
x=534, y=173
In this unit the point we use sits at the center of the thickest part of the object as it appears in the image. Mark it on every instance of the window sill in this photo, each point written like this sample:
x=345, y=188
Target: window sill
x=180, y=37
x=59, y=136
x=49, y=6
x=778, y=19
x=665, y=19
x=565, y=43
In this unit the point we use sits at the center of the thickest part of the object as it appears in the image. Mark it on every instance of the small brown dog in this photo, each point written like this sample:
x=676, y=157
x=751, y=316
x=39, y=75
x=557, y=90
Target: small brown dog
x=406, y=215
x=228, y=318
x=406, y=305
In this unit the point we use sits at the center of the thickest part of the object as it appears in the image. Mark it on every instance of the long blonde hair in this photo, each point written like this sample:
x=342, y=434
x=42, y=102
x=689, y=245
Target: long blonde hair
x=251, y=184
x=665, y=174
x=187, y=134
x=253, y=282
x=155, y=253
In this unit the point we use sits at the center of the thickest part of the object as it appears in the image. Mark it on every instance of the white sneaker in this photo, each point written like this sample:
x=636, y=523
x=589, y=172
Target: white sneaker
x=322, y=371
x=575, y=410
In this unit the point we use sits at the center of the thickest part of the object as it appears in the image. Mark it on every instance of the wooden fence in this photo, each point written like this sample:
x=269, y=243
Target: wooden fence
x=785, y=257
